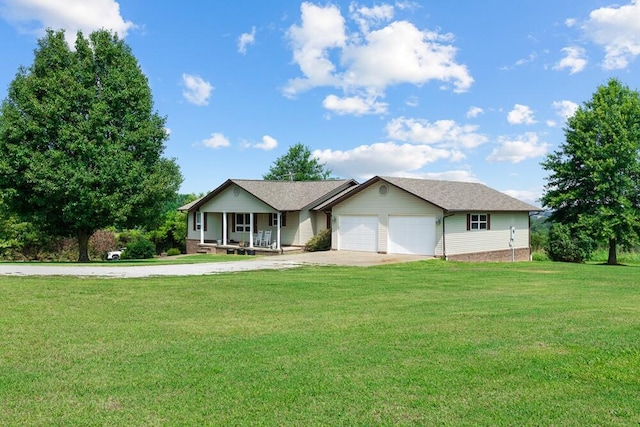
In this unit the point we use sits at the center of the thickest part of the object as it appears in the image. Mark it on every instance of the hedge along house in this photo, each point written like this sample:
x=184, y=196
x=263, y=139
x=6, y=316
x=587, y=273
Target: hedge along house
x=454, y=220
x=233, y=214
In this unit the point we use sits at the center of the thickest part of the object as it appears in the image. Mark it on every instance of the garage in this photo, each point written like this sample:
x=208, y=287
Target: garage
x=358, y=233
x=412, y=235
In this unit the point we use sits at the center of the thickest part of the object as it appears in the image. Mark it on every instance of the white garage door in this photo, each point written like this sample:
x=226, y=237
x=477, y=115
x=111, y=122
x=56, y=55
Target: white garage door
x=358, y=233
x=412, y=235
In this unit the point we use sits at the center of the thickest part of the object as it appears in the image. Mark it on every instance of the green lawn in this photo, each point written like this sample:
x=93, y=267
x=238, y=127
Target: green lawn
x=427, y=343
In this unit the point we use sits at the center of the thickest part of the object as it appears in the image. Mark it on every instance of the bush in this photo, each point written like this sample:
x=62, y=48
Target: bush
x=319, y=242
x=173, y=251
x=567, y=245
x=139, y=248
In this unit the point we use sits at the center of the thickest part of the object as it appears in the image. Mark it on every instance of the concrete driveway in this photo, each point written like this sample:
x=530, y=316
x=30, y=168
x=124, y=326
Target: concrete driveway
x=344, y=258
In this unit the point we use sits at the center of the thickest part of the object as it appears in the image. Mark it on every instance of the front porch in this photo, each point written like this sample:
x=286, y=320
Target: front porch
x=212, y=247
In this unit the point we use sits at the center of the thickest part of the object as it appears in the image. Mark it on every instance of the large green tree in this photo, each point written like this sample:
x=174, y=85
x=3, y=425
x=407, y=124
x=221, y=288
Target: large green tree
x=594, y=181
x=298, y=165
x=81, y=147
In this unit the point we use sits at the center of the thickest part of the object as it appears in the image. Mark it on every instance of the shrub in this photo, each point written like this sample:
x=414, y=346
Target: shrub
x=567, y=245
x=320, y=242
x=101, y=242
x=173, y=251
x=139, y=248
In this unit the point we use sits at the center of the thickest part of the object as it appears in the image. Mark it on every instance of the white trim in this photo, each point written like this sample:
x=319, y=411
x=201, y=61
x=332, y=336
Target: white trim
x=278, y=230
x=251, y=229
x=224, y=228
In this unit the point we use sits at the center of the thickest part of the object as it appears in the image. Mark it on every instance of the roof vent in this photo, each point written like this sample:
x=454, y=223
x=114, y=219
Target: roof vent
x=236, y=191
x=383, y=190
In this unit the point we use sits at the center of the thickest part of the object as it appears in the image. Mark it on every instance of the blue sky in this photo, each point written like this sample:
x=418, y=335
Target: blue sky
x=464, y=90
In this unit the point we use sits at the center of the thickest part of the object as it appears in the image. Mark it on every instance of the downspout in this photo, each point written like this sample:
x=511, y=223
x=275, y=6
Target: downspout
x=444, y=234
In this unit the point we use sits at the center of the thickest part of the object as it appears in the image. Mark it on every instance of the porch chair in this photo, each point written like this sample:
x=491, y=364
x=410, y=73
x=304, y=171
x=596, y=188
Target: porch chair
x=257, y=238
x=267, y=238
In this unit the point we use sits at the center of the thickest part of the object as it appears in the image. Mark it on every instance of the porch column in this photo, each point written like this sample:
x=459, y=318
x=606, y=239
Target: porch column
x=224, y=228
x=202, y=214
x=278, y=230
x=250, y=229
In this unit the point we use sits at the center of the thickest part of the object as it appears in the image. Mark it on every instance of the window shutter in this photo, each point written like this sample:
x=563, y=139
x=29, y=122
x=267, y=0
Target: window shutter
x=468, y=222
x=270, y=220
x=204, y=214
x=195, y=218
x=255, y=223
x=233, y=222
x=283, y=219
x=488, y=221
x=328, y=220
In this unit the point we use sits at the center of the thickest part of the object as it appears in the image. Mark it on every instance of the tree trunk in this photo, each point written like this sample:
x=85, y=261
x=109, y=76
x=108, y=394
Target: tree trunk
x=613, y=258
x=83, y=245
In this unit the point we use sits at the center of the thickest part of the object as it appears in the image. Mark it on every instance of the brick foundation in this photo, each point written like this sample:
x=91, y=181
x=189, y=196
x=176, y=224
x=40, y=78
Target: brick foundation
x=192, y=246
x=521, y=254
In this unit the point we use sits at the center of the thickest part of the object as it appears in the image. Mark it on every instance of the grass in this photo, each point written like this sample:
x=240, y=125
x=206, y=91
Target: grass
x=182, y=259
x=427, y=343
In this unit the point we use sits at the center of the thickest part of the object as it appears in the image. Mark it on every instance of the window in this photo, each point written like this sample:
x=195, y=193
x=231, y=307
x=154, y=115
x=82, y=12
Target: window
x=273, y=219
x=243, y=222
x=478, y=222
x=198, y=217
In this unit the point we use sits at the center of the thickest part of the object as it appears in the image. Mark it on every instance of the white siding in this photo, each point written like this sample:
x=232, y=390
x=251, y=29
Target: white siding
x=461, y=241
x=289, y=234
x=396, y=202
x=214, y=227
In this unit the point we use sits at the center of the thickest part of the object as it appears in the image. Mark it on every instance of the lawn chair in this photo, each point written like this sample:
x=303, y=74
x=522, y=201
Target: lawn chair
x=266, y=241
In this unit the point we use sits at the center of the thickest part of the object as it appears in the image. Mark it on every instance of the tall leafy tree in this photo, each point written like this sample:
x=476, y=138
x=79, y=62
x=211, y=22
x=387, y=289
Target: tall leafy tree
x=298, y=165
x=80, y=145
x=594, y=181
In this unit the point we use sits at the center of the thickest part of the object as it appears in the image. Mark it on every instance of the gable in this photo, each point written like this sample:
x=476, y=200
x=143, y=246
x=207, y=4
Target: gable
x=381, y=198
x=234, y=198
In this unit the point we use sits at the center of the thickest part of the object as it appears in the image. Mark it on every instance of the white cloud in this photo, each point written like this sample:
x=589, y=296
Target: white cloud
x=565, y=108
x=570, y=22
x=245, y=40
x=617, y=30
x=322, y=29
x=441, y=132
x=521, y=114
x=369, y=60
x=354, y=105
x=453, y=175
x=387, y=158
x=366, y=16
x=34, y=16
x=412, y=101
x=529, y=196
x=216, y=140
x=197, y=90
x=268, y=143
x=574, y=60
x=523, y=147
x=474, y=112
x=401, y=53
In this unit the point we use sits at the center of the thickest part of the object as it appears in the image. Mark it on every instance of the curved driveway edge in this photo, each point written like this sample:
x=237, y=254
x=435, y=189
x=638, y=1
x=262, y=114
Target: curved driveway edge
x=345, y=258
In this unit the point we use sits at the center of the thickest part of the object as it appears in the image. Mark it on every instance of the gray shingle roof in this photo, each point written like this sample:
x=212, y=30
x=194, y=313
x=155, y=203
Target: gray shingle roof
x=448, y=195
x=292, y=195
x=283, y=195
x=460, y=196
